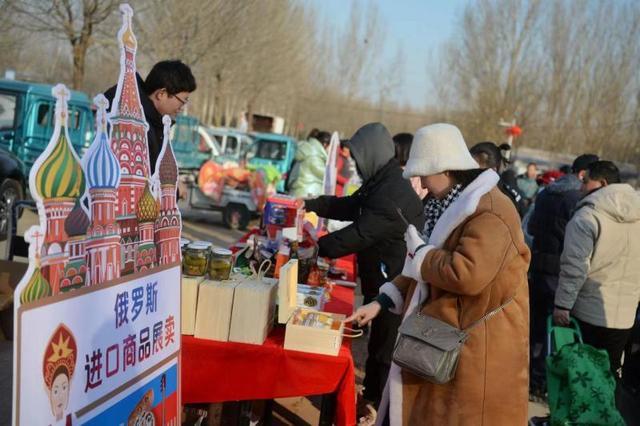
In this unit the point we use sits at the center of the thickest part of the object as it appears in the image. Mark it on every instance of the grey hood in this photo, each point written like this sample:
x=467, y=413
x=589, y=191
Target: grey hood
x=371, y=148
x=618, y=201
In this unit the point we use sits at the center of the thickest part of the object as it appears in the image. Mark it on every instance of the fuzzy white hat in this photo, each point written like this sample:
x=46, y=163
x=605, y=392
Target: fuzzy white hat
x=437, y=148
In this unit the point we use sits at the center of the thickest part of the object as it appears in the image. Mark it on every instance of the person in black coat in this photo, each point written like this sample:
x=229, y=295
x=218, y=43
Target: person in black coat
x=165, y=91
x=551, y=212
x=376, y=236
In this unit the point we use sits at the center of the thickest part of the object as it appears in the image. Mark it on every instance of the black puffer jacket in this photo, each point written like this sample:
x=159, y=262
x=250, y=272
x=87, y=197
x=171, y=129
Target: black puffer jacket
x=553, y=209
x=377, y=231
x=155, y=134
x=508, y=186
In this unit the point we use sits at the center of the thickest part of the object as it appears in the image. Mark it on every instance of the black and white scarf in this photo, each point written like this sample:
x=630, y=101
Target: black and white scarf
x=434, y=208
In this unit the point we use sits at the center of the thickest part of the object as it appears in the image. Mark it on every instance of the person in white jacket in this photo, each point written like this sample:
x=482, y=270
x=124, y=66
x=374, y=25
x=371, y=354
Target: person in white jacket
x=599, y=281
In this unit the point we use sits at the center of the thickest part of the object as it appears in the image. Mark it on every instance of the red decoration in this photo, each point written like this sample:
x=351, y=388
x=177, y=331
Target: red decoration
x=514, y=131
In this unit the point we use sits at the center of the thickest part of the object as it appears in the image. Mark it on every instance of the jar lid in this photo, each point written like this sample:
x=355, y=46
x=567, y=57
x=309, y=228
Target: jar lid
x=184, y=242
x=198, y=245
x=222, y=251
x=205, y=244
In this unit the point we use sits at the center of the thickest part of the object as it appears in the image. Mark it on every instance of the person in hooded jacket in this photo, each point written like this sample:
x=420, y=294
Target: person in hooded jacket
x=468, y=269
x=599, y=282
x=307, y=172
x=166, y=91
x=552, y=211
x=376, y=236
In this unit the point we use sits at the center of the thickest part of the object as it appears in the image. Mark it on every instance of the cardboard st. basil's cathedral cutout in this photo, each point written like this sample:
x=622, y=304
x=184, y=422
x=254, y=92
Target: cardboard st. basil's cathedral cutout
x=97, y=315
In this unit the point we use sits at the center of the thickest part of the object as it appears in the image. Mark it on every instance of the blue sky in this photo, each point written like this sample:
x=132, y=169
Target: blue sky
x=419, y=26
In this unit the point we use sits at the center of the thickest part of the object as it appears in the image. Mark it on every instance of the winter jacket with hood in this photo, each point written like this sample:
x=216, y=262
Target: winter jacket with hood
x=377, y=232
x=553, y=209
x=600, y=265
x=155, y=134
x=311, y=162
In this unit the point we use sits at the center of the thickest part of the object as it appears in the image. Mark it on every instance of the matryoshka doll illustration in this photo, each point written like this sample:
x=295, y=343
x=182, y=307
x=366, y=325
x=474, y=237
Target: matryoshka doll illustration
x=59, y=364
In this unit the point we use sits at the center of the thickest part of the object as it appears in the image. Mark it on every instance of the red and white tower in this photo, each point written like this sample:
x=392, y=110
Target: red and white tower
x=129, y=142
x=168, y=224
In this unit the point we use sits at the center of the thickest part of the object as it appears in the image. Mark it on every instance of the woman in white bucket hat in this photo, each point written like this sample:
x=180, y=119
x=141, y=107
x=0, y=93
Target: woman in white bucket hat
x=471, y=259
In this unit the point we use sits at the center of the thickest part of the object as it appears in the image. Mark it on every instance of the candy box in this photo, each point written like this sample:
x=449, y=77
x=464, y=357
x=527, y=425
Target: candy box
x=307, y=330
x=312, y=331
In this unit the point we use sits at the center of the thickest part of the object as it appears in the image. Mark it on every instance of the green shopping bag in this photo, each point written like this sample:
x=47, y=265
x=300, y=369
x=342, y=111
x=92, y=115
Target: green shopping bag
x=580, y=385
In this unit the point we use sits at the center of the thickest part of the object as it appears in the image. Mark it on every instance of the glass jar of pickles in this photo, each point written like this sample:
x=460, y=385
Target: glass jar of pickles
x=196, y=259
x=220, y=264
x=183, y=245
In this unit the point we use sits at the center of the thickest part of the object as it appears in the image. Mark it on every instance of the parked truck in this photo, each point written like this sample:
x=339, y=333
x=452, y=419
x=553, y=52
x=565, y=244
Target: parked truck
x=27, y=119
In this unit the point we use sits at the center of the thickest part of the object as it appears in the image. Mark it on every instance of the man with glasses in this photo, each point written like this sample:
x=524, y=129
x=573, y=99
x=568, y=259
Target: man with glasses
x=166, y=90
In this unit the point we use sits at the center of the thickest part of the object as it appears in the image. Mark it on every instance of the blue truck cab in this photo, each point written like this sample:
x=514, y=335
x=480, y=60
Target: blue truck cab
x=190, y=144
x=234, y=144
x=27, y=119
x=274, y=149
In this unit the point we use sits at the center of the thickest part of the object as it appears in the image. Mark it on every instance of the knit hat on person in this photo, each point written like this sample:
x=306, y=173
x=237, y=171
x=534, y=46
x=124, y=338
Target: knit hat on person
x=438, y=148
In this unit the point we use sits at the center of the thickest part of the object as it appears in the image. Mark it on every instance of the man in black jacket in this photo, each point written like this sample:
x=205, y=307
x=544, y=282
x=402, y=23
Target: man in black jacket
x=376, y=236
x=165, y=91
x=552, y=211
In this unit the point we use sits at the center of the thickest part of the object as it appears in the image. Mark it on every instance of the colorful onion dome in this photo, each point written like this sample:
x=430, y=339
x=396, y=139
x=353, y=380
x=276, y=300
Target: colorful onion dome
x=103, y=168
x=128, y=38
x=77, y=222
x=147, y=206
x=36, y=288
x=60, y=175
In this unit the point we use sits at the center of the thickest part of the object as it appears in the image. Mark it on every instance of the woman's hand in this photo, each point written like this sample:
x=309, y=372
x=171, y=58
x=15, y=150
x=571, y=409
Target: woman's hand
x=364, y=314
x=416, y=252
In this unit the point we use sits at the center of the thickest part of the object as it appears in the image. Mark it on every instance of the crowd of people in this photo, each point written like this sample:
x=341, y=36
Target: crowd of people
x=454, y=234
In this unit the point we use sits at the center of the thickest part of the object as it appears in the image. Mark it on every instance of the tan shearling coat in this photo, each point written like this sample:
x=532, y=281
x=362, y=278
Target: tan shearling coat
x=482, y=263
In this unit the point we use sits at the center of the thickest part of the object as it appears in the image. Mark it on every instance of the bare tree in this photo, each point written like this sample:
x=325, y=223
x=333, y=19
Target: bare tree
x=72, y=20
x=565, y=70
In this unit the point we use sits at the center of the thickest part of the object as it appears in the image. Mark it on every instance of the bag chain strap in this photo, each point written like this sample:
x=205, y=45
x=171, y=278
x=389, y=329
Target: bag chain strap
x=490, y=314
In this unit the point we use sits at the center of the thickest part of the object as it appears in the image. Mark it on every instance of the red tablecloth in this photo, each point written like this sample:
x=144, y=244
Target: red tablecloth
x=226, y=371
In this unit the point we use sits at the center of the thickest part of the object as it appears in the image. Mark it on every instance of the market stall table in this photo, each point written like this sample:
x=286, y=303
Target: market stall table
x=225, y=371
